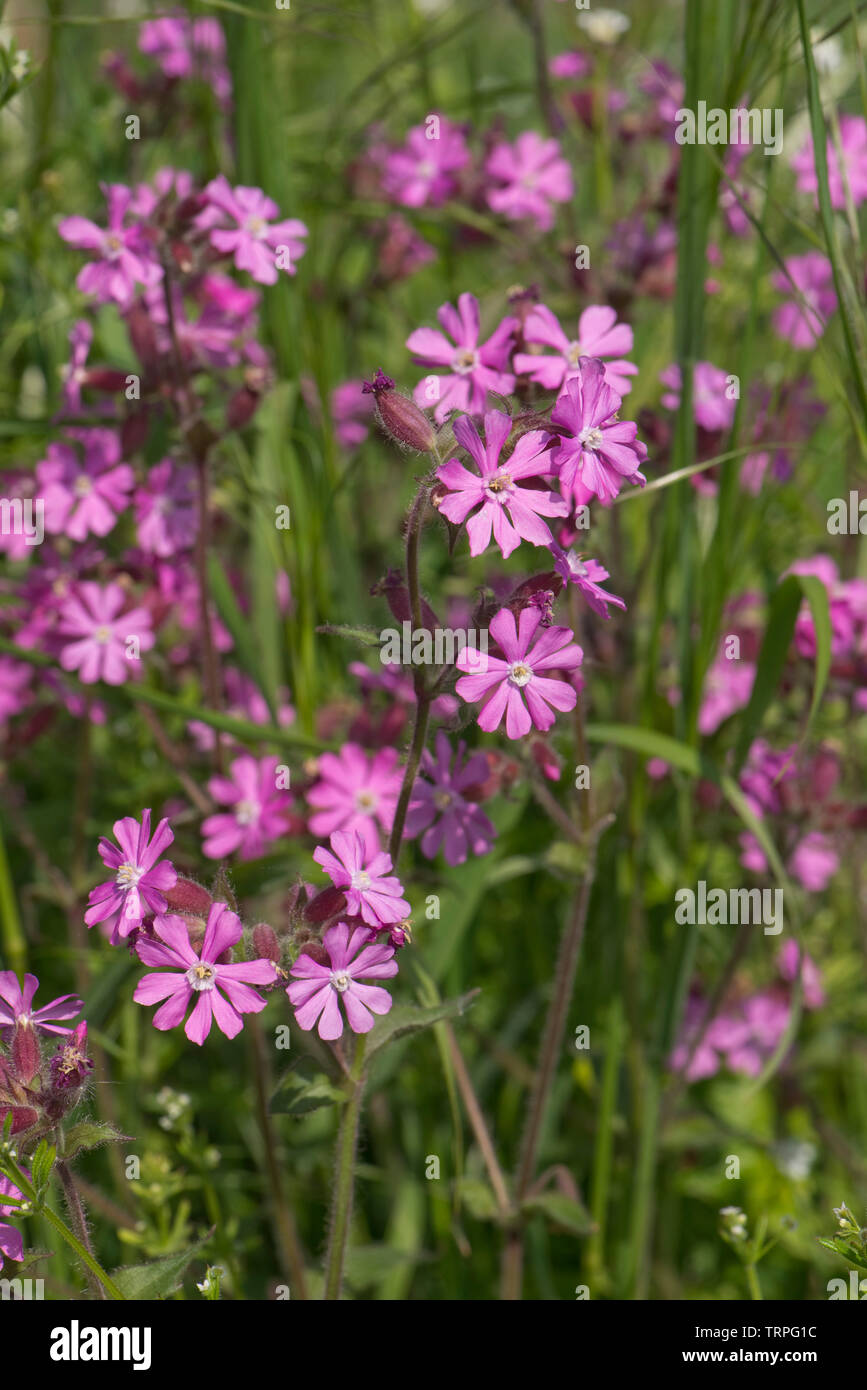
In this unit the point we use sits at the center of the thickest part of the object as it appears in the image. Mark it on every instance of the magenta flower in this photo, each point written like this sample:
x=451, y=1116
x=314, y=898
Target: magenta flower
x=507, y=684
x=140, y=878
x=444, y=805
x=165, y=510
x=371, y=892
x=101, y=648
x=124, y=257
x=599, y=335
x=473, y=370
x=512, y=511
x=352, y=409
x=16, y=1006
x=15, y=678
x=421, y=173
x=317, y=989
x=532, y=175
x=588, y=576
x=258, y=815
x=853, y=141
x=84, y=488
x=356, y=792
x=728, y=687
x=74, y=372
x=11, y=1241
x=597, y=451
x=814, y=862
x=70, y=1066
x=807, y=281
x=256, y=238
x=221, y=992
x=711, y=405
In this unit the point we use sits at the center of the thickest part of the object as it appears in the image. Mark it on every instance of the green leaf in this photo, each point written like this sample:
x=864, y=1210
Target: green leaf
x=42, y=1163
x=239, y=626
x=159, y=1277
x=784, y=609
x=369, y=1264
x=563, y=1211
x=358, y=632
x=90, y=1134
x=310, y=1095
x=411, y=1018
x=478, y=1198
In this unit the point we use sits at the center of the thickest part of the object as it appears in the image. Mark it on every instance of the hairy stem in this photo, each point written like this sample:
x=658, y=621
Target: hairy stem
x=284, y=1221
x=79, y=1227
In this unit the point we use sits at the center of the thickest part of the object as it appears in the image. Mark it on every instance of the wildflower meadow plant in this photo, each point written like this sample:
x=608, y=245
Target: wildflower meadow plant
x=430, y=536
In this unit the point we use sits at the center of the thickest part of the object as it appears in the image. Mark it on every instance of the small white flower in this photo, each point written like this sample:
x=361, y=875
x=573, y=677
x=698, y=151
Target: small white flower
x=604, y=26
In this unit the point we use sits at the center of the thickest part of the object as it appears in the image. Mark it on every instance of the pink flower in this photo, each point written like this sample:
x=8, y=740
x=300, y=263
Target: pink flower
x=421, y=173
x=588, y=576
x=533, y=175
x=370, y=893
x=599, y=335
x=165, y=510
x=507, y=684
x=74, y=372
x=807, y=282
x=792, y=964
x=221, y=992
x=814, y=862
x=318, y=988
x=258, y=814
x=11, y=1241
x=256, y=238
x=99, y=651
x=140, y=879
x=15, y=678
x=569, y=64
x=351, y=410
x=711, y=406
x=597, y=451
x=473, y=370
x=84, y=486
x=356, y=792
x=728, y=686
x=16, y=1006
x=512, y=511
x=123, y=256
x=853, y=141
x=443, y=803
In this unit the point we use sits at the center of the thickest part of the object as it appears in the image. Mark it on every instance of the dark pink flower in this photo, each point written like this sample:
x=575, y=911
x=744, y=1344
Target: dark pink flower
x=443, y=803
x=532, y=175
x=712, y=406
x=256, y=238
x=221, y=992
x=372, y=892
x=100, y=649
x=11, y=1241
x=16, y=1006
x=807, y=282
x=258, y=809
x=588, y=576
x=421, y=173
x=728, y=686
x=83, y=485
x=853, y=141
x=317, y=990
x=356, y=792
x=598, y=452
x=123, y=256
x=599, y=335
x=519, y=686
x=514, y=512
x=140, y=879
x=814, y=862
x=474, y=370
x=352, y=409
x=165, y=510
x=793, y=963
x=70, y=1066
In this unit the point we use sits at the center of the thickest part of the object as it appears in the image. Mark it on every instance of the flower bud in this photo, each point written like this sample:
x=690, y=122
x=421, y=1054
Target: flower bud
x=70, y=1068
x=399, y=416
x=265, y=943
x=189, y=897
x=26, y=1056
x=326, y=904
x=317, y=952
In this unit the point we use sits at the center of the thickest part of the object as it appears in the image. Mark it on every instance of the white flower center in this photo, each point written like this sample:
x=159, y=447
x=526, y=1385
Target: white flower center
x=246, y=812
x=128, y=875
x=257, y=226
x=465, y=361
x=501, y=482
x=520, y=673
x=365, y=802
x=590, y=438
x=83, y=485
x=576, y=564
x=340, y=980
x=442, y=800
x=113, y=245
x=102, y=635
x=201, y=977
x=360, y=879
x=573, y=353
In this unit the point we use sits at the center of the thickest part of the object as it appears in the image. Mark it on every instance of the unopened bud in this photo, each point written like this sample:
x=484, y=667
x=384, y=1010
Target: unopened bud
x=265, y=943
x=189, y=897
x=25, y=1051
x=326, y=904
x=399, y=416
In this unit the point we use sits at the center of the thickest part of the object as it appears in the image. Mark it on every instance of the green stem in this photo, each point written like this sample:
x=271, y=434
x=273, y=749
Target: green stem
x=341, y=1214
x=84, y=1255
x=79, y=1223
x=753, y=1281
